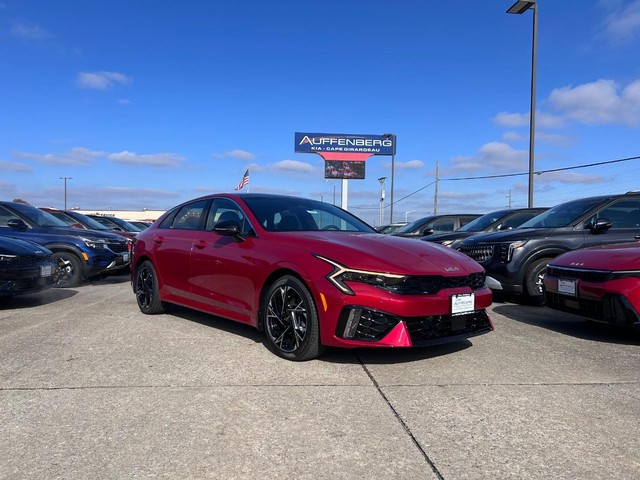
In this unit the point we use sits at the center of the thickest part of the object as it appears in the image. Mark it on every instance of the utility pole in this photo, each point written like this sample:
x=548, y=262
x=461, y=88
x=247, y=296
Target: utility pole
x=509, y=198
x=435, y=198
x=65, y=189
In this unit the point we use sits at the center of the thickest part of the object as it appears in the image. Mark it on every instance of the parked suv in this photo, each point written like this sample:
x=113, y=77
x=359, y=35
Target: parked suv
x=434, y=224
x=515, y=261
x=78, y=254
x=499, y=220
x=79, y=220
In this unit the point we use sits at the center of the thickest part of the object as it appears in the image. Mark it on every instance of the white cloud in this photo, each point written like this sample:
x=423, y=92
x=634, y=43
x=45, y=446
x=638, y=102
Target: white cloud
x=292, y=166
x=124, y=101
x=515, y=120
x=491, y=156
x=568, y=177
x=76, y=156
x=14, y=167
x=410, y=165
x=599, y=102
x=27, y=31
x=155, y=160
x=623, y=22
x=102, y=80
x=239, y=154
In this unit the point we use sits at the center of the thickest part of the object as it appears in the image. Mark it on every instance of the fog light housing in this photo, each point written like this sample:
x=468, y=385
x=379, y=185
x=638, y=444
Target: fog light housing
x=361, y=323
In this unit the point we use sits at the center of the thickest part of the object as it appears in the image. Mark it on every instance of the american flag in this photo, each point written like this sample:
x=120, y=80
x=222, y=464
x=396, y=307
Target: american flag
x=244, y=181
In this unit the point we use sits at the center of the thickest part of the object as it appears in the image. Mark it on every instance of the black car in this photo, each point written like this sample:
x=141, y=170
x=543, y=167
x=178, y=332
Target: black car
x=515, y=261
x=434, y=224
x=499, y=220
x=115, y=223
x=77, y=253
x=25, y=267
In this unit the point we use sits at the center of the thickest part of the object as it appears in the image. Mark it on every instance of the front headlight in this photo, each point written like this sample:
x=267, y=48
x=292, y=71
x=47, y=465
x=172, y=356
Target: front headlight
x=96, y=243
x=513, y=246
x=624, y=274
x=7, y=258
x=342, y=274
x=447, y=243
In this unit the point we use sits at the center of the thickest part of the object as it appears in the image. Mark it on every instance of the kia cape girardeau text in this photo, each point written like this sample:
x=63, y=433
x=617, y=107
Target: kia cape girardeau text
x=308, y=274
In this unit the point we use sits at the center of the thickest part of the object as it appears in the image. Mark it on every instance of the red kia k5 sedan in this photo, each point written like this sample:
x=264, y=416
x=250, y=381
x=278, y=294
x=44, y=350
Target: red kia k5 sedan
x=308, y=274
x=599, y=283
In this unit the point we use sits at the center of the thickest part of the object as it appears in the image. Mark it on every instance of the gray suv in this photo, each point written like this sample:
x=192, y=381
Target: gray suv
x=516, y=260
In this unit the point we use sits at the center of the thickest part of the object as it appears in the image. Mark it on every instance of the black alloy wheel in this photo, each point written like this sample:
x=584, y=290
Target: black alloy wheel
x=291, y=320
x=68, y=272
x=147, y=289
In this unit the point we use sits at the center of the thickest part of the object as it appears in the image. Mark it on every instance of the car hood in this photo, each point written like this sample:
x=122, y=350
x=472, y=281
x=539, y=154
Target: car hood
x=383, y=253
x=511, y=235
x=623, y=256
x=16, y=246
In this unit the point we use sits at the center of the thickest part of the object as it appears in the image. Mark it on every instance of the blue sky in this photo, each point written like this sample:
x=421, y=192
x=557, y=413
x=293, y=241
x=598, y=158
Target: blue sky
x=146, y=104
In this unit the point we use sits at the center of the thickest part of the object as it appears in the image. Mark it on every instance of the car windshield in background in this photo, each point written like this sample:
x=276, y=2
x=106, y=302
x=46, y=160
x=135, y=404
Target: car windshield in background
x=37, y=216
x=89, y=222
x=562, y=215
x=294, y=214
x=480, y=223
x=410, y=227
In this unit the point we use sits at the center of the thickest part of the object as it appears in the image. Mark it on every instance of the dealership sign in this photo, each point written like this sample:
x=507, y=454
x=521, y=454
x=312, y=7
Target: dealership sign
x=345, y=143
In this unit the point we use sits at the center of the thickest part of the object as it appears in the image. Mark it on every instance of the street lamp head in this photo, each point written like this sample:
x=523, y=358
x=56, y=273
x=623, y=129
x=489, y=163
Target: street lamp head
x=520, y=7
x=382, y=179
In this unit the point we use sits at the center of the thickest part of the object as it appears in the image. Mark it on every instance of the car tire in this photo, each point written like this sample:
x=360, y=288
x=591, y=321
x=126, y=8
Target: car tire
x=533, y=280
x=147, y=290
x=68, y=272
x=290, y=320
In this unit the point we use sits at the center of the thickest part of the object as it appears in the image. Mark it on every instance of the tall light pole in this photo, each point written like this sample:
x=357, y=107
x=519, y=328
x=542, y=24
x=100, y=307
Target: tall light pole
x=65, y=189
x=519, y=8
x=381, y=180
x=392, y=136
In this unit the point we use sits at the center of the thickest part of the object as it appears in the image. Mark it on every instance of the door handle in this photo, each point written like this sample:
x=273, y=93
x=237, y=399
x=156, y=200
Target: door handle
x=200, y=244
x=159, y=239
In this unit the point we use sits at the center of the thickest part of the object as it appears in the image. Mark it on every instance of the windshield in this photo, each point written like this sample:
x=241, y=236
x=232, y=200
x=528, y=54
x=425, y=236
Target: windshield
x=562, y=215
x=37, y=216
x=278, y=214
x=485, y=221
x=415, y=225
x=88, y=221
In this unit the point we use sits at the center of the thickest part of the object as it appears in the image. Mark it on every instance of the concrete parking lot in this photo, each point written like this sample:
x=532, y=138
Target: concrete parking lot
x=91, y=388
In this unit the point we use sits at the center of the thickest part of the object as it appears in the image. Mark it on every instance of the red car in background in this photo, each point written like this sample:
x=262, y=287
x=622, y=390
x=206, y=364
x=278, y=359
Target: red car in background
x=599, y=283
x=308, y=274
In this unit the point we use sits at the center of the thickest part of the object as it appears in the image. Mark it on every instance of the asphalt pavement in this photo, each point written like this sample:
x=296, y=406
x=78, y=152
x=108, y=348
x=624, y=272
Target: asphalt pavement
x=92, y=388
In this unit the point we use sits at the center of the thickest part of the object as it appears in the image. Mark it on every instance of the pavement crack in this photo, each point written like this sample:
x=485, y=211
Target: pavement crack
x=401, y=421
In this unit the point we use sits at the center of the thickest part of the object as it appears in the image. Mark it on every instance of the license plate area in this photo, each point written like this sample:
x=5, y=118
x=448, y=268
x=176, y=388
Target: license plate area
x=567, y=287
x=463, y=303
x=46, y=271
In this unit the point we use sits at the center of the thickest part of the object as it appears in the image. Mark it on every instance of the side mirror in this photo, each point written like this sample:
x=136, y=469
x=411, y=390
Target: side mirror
x=427, y=231
x=601, y=225
x=17, y=224
x=228, y=228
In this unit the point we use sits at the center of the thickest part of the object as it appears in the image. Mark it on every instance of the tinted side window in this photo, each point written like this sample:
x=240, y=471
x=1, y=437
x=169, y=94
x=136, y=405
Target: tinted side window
x=465, y=220
x=188, y=217
x=623, y=213
x=442, y=225
x=5, y=216
x=222, y=210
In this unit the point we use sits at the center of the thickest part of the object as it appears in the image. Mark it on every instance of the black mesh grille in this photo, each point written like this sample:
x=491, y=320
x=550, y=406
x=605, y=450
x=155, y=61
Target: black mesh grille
x=118, y=247
x=614, y=309
x=431, y=284
x=26, y=260
x=375, y=325
x=596, y=276
x=424, y=329
x=480, y=253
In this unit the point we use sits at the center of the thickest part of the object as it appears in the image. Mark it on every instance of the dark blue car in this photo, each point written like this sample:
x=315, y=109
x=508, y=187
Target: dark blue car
x=78, y=254
x=25, y=267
